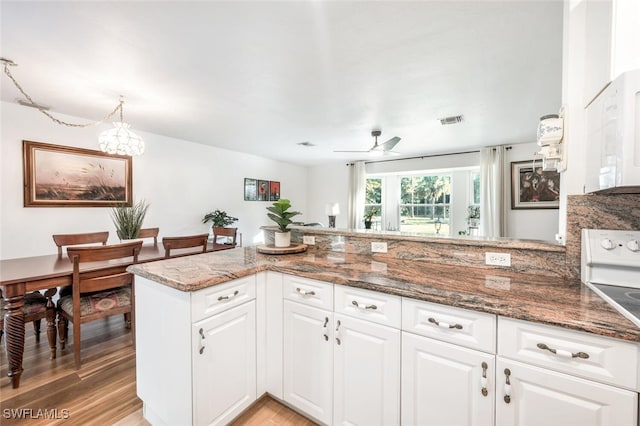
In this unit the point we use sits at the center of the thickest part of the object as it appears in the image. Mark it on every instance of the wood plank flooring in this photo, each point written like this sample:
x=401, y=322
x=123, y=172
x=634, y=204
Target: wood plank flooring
x=103, y=391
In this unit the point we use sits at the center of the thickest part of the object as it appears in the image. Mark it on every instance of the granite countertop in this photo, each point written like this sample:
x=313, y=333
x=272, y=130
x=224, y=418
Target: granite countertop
x=546, y=300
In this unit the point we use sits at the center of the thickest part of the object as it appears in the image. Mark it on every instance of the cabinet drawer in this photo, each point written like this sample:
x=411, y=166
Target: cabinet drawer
x=580, y=354
x=310, y=292
x=373, y=306
x=211, y=300
x=475, y=330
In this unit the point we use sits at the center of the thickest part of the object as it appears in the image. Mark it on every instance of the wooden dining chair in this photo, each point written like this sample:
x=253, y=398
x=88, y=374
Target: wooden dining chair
x=150, y=233
x=225, y=232
x=171, y=243
x=36, y=307
x=63, y=240
x=98, y=294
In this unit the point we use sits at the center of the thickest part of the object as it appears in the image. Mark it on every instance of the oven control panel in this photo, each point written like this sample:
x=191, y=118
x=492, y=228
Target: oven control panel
x=610, y=255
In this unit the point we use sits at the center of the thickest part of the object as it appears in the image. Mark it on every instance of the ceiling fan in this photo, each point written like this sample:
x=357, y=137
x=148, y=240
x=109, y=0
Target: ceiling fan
x=383, y=148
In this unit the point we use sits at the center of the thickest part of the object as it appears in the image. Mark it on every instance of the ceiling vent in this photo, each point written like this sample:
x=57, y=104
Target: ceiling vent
x=454, y=119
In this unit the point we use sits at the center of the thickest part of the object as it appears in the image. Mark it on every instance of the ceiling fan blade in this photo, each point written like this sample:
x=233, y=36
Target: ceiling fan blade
x=388, y=145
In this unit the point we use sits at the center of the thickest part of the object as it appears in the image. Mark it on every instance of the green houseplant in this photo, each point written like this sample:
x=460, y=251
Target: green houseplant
x=368, y=217
x=219, y=219
x=128, y=220
x=280, y=214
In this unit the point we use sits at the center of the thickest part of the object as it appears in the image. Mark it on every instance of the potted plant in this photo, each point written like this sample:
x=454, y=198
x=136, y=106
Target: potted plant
x=368, y=217
x=280, y=214
x=219, y=219
x=128, y=220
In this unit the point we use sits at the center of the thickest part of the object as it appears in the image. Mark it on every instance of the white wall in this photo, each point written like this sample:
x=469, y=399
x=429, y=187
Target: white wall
x=181, y=180
x=328, y=183
x=537, y=224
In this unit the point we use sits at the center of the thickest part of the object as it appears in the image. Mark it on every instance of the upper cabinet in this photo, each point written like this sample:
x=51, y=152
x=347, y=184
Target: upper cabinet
x=612, y=37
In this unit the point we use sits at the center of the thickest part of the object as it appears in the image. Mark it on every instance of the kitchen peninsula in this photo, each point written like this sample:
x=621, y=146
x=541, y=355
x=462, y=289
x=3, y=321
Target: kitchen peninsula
x=225, y=328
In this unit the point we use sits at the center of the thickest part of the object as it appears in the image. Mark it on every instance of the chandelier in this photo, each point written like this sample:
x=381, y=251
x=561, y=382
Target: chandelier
x=119, y=140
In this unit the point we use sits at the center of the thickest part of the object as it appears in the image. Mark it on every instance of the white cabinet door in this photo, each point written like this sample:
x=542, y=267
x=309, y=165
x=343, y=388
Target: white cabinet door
x=366, y=375
x=308, y=360
x=543, y=397
x=224, y=365
x=445, y=384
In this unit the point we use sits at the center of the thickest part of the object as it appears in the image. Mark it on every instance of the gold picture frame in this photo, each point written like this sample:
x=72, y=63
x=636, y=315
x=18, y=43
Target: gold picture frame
x=63, y=176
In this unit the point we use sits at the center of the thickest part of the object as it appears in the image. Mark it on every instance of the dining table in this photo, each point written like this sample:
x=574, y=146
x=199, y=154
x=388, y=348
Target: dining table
x=20, y=276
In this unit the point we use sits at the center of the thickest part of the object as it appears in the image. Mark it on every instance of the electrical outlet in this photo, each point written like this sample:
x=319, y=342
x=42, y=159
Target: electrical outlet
x=498, y=259
x=378, y=247
x=309, y=240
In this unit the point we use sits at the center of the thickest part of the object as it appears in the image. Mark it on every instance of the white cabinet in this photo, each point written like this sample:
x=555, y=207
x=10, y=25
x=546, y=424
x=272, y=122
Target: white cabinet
x=446, y=380
x=340, y=368
x=224, y=365
x=366, y=375
x=538, y=396
x=555, y=376
x=611, y=40
x=445, y=384
x=308, y=360
x=179, y=385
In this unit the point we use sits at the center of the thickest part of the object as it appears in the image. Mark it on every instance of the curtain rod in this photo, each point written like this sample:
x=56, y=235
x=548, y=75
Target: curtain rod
x=425, y=156
x=422, y=157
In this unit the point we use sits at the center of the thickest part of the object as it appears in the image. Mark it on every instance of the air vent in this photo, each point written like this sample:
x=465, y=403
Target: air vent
x=454, y=119
x=307, y=144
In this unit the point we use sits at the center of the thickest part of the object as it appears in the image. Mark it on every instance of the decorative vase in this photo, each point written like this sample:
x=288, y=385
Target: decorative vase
x=282, y=239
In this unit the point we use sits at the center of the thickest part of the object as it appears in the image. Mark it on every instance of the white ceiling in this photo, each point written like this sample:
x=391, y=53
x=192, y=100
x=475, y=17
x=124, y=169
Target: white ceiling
x=262, y=76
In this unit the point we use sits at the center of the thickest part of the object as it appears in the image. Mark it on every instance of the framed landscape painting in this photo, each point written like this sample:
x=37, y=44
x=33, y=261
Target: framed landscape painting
x=63, y=176
x=533, y=188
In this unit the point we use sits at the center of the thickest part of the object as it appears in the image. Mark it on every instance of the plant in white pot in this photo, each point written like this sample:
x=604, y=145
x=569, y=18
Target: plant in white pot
x=128, y=220
x=280, y=214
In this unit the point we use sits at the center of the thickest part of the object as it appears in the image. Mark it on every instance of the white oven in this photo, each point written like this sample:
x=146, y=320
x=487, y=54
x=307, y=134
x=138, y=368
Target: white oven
x=610, y=266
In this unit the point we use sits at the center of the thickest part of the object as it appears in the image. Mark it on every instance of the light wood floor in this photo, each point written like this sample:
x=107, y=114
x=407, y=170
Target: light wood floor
x=103, y=391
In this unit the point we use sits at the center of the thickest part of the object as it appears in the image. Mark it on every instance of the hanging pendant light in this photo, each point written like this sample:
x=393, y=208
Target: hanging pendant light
x=121, y=140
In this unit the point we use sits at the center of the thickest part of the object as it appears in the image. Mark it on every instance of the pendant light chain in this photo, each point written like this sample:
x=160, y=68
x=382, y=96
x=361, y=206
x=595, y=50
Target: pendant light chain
x=56, y=120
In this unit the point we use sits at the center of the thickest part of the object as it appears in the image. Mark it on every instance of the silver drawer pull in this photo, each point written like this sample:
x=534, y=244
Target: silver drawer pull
x=357, y=305
x=562, y=353
x=444, y=324
x=507, y=386
x=306, y=292
x=201, y=350
x=235, y=293
x=483, y=380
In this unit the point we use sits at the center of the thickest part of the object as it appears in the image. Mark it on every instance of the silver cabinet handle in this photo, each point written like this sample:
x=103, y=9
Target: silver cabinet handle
x=338, y=341
x=483, y=379
x=235, y=293
x=326, y=336
x=201, y=350
x=357, y=305
x=507, y=386
x=306, y=292
x=444, y=324
x=562, y=353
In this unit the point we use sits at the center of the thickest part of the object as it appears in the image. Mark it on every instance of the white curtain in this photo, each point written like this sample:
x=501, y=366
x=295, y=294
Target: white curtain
x=492, y=197
x=356, y=193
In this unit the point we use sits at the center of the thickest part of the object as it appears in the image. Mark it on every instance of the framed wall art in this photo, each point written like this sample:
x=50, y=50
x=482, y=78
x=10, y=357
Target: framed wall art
x=263, y=190
x=63, y=176
x=250, y=189
x=274, y=190
x=533, y=188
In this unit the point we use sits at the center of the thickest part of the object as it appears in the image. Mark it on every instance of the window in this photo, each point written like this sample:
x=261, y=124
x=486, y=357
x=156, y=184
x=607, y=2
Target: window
x=373, y=200
x=425, y=200
x=413, y=201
